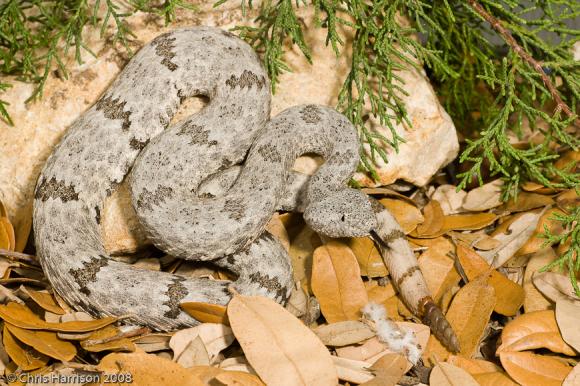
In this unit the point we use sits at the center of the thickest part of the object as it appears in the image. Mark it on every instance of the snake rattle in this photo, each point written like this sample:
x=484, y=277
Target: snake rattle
x=171, y=169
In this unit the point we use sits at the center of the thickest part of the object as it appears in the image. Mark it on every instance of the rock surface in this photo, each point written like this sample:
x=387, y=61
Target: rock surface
x=38, y=126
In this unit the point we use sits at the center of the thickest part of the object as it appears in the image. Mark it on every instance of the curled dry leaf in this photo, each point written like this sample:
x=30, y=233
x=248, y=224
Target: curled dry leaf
x=573, y=378
x=214, y=336
x=344, y=333
x=445, y=374
x=484, y=197
x=509, y=295
x=23, y=355
x=238, y=378
x=535, y=300
x=148, y=370
x=276, y=227
x=194, y=354
x=388, y=370
x=295, y=354
x=468, y=315
x=438, y=269
x=44, y=300
x=21, y=316
x=337, y=283
x=535, y=242
x=153, y=342
x=206, y=312
x=534, y=330
x=369, y=259
x=496, y=378
x=433, y=224
x=450, y=199
x=473, y=366
x=527, y=201
x=568, y=319
x=45, y=342
x=351, y=370
x=514, y=237
x=531, y=369
x=555, y=286
x=238, y=363
x=109, y=338
x=407, y=214
x=468, y=222
x=302, y=248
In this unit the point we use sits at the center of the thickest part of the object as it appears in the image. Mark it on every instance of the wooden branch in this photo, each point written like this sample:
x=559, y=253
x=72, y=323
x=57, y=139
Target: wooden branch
x=509, y=39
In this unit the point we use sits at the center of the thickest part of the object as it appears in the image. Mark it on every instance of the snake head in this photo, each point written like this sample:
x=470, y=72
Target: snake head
x=345, y=213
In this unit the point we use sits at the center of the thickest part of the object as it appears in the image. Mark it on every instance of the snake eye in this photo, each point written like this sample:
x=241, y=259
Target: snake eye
x=342, y=218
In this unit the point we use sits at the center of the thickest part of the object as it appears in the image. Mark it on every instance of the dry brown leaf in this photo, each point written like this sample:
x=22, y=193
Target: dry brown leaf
x=44, y=300
x=23, y=355
x=407, y=214
x=7, y=239
x=468, y=222
x=276, y=227
x=438, y=269
x=302, y=247
x=379, y=293
x=45, y=342
x=19, y=315
x=555, y=286
x=148, y=370
x=573, y=378
x=531, y=369
x=527, y=201
x=568, y=199
x=468, y=315
x=535, y=300
x=450, y=199
x=108, y=338
x=568, y=319
x=153, y=342
x=496, y=378
x=238, y=378
x=344, y=333
x=484, y=197
x=534, y=330
x=194, y=354
x=388, y=370
x=535, y=243
x=510, y=296
x=369, y=259
x=351, y=370
x=515, y=236
x=214, y=336
x=473, y=366
x=337, y=283
x=206, y=312
x=295, y=354
x=445, y=374
x=434, y=219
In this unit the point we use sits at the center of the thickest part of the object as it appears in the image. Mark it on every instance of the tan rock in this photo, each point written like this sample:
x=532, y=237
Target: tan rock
x=38, y=126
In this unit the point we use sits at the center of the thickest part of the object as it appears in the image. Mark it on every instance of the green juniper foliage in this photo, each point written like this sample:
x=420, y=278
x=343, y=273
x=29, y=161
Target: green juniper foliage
x=495, y=64
x=35, y=35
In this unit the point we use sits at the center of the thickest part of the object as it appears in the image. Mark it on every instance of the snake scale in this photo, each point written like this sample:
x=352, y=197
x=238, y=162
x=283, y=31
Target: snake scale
x=171, y=169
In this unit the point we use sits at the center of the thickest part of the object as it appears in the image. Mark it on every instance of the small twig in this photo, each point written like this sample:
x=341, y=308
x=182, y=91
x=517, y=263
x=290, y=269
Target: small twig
x=19, y=256
x=511, y=41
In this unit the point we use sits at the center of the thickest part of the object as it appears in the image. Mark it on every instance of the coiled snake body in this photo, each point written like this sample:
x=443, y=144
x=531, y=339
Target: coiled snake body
x=127, y=129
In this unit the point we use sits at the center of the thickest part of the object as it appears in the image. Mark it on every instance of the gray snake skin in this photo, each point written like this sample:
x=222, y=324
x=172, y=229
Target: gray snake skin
x=127, y=134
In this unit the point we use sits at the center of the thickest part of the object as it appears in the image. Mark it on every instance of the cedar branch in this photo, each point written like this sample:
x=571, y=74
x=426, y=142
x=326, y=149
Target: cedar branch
x=511, y=41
